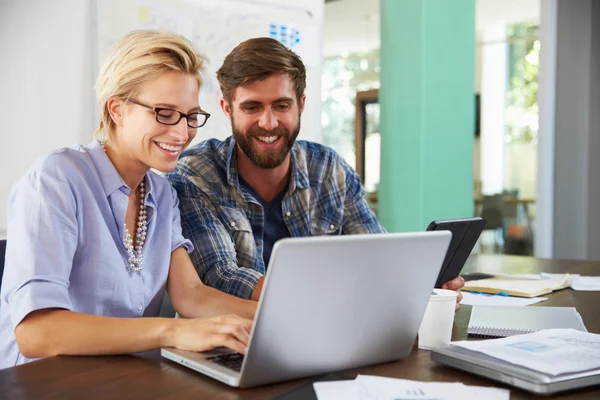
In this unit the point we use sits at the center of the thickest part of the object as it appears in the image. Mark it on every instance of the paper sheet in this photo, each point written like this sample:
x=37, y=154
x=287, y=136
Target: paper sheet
x=586, y=283
x=473, y=299
x=553, y=351
x=367, y=387
x=575, y=281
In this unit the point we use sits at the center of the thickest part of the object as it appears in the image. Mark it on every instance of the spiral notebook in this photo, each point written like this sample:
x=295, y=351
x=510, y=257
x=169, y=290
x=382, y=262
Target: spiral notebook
x=503, y=321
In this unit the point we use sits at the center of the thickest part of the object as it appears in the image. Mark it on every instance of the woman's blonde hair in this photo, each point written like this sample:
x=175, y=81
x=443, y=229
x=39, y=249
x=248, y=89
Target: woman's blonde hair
x=141, y=56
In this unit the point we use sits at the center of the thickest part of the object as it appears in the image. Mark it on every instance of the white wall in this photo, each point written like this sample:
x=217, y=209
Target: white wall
x=544, y=218
x=576, y=131
x=568, y=195
x=45, y=83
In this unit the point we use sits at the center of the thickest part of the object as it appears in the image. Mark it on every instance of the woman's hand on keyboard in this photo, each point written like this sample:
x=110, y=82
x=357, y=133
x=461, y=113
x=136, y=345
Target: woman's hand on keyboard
x=201, y=334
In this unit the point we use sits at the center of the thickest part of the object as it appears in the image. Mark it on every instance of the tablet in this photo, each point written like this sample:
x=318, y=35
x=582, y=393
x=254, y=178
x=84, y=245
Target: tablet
x=465, y=232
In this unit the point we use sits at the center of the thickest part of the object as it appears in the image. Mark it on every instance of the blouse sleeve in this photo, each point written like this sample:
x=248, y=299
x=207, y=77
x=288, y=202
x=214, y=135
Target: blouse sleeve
x=177, y=239
x=42, y=240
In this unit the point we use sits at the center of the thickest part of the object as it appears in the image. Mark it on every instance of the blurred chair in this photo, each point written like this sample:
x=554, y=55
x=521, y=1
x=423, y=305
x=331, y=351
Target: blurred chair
x=510, y=210
x=492, y=208
x=518, y=238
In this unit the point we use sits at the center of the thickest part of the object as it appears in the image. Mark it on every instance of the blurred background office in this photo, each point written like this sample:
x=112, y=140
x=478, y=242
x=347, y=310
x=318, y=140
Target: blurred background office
x=506, y=128
x=445, y=109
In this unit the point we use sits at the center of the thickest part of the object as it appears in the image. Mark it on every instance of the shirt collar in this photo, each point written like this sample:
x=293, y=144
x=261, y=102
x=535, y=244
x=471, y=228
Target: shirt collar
x=231, y=165
x=299, y=169
x=299, y=173
x=109, y=176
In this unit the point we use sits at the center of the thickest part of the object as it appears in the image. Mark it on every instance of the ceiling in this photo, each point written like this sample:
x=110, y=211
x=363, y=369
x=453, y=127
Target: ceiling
x=353, y=25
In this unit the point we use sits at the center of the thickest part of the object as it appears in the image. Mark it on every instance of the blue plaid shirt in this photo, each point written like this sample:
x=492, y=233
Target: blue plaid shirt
x=226, y=223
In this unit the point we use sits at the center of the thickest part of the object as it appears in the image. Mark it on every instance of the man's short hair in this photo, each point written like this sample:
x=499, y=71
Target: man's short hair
x=257, y=59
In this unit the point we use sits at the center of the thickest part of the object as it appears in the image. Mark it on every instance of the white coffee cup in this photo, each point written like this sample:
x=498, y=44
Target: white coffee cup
x=436, y=326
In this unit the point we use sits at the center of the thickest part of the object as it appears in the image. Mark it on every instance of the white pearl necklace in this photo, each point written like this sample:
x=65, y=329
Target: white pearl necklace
x=135, y=264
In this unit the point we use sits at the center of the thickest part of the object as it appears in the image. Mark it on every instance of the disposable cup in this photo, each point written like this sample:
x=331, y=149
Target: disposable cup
x=436, y=326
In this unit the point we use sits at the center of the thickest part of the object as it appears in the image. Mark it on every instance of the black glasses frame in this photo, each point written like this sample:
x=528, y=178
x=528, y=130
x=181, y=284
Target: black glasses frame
x=181, y=115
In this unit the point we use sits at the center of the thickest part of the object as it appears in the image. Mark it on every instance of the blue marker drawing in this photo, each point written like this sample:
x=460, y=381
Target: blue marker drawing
x=287, y=35
x=532, y=347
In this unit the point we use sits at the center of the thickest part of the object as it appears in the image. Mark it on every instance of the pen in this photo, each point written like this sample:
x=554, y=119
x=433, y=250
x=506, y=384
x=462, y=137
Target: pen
x=496, y=294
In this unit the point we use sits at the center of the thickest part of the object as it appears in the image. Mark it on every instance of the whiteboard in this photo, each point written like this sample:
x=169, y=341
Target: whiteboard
x=216, y=27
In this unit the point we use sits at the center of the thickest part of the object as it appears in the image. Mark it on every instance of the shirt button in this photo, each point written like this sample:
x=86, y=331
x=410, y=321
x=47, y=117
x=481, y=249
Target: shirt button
x=332, y=227
x=257, y=243
x=288, y=213
x=140, y=308
x=257, y=208
x=232, y=223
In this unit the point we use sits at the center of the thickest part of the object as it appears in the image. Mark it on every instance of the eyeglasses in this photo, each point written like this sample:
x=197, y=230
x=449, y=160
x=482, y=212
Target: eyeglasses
x=168, y=116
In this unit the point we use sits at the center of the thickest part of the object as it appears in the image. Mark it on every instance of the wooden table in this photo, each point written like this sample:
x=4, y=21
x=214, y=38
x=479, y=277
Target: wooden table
x=138, y=378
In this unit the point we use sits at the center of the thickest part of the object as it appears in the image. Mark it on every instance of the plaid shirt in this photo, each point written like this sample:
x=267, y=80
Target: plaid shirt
x=226, y=224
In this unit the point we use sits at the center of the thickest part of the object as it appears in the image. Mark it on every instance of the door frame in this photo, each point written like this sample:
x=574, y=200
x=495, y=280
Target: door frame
x=360, y=127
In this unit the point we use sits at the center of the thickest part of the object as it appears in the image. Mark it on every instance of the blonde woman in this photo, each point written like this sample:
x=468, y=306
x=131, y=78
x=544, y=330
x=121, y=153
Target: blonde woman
x=94, y=236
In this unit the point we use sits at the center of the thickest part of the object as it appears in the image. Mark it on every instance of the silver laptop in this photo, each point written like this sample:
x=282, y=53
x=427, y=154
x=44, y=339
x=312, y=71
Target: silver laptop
x=511, y=374
x=330, y=304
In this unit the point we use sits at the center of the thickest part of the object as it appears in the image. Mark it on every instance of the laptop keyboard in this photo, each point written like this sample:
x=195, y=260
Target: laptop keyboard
x=231, y=361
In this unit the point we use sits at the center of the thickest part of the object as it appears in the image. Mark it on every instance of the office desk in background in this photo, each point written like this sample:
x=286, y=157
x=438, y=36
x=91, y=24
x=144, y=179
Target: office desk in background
x=510, y=200
x=128, y=377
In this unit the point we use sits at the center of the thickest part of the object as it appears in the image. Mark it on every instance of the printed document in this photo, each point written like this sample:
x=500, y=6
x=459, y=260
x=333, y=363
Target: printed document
x=477, y=299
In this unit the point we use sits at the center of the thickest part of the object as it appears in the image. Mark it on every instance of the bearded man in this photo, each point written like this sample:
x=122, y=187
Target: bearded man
x=239, y=196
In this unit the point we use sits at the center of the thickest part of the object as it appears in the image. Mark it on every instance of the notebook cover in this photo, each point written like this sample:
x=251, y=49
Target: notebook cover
x=502, y=321
x=517, y=287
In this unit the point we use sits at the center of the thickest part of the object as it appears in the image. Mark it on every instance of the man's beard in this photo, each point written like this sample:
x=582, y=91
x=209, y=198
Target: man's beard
x=267, y=159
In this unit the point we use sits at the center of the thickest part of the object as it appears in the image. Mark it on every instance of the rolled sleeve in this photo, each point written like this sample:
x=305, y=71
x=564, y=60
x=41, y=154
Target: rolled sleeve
x=177, y=239
x=230, y=278
x=42, y=233
x=214, y=255
x=37, y=294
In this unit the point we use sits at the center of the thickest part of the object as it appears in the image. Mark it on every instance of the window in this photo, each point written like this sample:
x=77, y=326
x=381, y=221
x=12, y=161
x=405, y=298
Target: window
x=343, y=77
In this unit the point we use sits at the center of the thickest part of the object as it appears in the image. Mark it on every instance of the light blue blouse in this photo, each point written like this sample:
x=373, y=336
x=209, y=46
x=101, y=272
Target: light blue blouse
x=65, y=243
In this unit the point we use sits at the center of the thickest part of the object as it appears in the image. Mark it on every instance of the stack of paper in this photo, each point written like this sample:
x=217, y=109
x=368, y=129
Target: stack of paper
x=366, y=387
x=552, y=351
